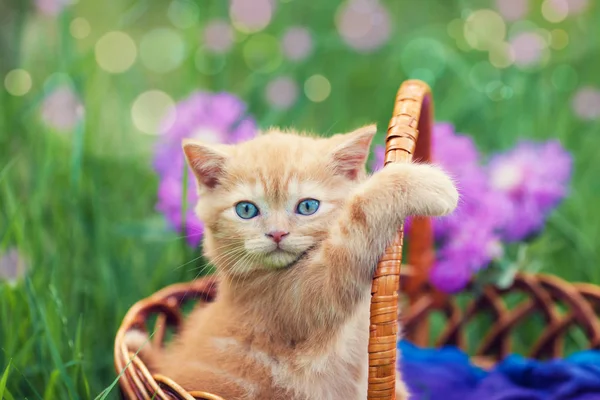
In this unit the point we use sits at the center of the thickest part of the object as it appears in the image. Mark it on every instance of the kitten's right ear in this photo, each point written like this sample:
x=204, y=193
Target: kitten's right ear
x=351, y=150
x=207, y=163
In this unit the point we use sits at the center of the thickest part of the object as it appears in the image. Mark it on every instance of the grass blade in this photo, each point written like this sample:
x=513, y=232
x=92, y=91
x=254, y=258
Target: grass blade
x=3, y=391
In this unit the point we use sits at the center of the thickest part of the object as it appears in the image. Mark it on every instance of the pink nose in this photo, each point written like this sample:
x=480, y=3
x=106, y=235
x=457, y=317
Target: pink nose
x=277, y=236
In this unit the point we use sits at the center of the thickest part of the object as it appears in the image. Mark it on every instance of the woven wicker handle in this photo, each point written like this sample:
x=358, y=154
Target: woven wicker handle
x=413, y=113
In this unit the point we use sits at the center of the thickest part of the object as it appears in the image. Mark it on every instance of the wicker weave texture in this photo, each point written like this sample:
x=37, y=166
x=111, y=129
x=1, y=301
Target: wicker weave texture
x=412, y=115
x=562, y=306
x=539, y=295
x=135, y=379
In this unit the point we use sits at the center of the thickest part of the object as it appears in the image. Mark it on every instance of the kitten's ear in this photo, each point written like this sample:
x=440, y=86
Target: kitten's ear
x=207, y=162
x=351, y=151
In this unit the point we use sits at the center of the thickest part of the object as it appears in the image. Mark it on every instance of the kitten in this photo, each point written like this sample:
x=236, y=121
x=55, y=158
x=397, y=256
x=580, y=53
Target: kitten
x=295, y=228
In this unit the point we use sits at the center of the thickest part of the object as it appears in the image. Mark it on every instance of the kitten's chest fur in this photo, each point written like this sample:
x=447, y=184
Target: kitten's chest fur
x=332, y=368
x=336, y=371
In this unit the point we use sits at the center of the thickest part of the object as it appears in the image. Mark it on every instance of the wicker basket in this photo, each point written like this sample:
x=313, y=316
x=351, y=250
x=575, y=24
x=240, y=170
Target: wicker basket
x=413, y=113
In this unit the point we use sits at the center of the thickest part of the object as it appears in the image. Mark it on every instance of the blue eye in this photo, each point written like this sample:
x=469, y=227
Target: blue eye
x=246, y=210
x=307, y=207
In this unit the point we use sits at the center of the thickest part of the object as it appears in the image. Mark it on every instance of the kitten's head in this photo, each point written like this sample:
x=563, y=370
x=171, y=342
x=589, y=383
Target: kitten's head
x=268, y=201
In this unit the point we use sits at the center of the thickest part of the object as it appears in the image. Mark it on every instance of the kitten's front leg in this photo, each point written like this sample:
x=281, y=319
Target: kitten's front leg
x=342, y=269
x=372, y=216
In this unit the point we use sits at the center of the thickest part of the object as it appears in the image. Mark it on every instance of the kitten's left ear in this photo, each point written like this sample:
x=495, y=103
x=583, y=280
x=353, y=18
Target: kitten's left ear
x=207, y=162
x=348, y=157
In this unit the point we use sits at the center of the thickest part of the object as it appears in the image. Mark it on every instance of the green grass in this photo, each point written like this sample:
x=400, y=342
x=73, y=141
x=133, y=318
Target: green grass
x=80, y=206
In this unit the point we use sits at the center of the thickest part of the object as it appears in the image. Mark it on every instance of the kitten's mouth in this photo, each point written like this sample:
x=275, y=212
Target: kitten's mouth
x=295, y=260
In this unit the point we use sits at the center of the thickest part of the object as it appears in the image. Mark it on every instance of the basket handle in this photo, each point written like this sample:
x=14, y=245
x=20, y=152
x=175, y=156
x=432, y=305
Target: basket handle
x=413, y=114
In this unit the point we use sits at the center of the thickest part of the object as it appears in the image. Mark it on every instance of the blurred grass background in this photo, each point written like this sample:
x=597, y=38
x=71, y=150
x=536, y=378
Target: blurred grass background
x=77, y=204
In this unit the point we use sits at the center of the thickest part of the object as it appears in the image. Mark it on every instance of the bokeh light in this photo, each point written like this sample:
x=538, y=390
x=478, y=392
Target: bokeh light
x=115, y=52
x=282, y=92
x=498, y=91
x=545, y=35
x=153, y=112
x=577, y=6
x=501, y=55
x=262, y=53
x=251, y=16
x=484, y=29
x=297, y=43
x=18, y=82
x=555, y=10
x=586, y=103
x=218, y=36
x=513, y=10
x=363, y=24
x=208, y=62
x=455, y=28
x=564, y=77
x=423, y=74
x=52, y=7
x=529, y=49
x=520, y=27
x=183, y=14
x=317, y=88
x=80, y=28
x=62, y=109
x=13, y=266
x=482, y=74
x=162, y=50
x=507, y=92
x=424, y=59
x=559, y=39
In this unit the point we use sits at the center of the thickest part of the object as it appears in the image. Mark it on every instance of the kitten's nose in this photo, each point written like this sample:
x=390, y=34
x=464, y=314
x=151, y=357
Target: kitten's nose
x=277, y=236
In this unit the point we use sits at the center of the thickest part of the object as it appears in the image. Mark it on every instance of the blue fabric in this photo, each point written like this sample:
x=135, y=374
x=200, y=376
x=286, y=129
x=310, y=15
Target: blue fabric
x=447, y=374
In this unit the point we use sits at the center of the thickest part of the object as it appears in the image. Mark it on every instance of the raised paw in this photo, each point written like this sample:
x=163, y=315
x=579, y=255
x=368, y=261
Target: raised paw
x=429, y=190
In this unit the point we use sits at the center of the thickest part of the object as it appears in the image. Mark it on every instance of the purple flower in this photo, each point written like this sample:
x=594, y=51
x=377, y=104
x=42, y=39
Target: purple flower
x=450, y=275
x=468, y=237
x=507, y=200
x=471, y=247
x=379, y=159
x=210, y=118
x=459, y=157
x=533, y=177
x=452, y=150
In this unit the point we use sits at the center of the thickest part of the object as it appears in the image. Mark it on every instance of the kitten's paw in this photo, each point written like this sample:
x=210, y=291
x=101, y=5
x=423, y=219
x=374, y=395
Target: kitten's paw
x=401, y=390
x=136, y=340
x=139, y=343
x=430, y=191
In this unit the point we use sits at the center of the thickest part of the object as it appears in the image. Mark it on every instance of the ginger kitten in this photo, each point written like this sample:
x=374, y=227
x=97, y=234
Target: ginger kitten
x=295, y=228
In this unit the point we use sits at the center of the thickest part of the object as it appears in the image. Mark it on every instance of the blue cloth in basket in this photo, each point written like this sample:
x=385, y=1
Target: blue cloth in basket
x=447, y=374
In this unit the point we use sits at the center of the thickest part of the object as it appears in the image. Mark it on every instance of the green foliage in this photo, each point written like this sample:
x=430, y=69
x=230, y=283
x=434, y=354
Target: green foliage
x=79, y=206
